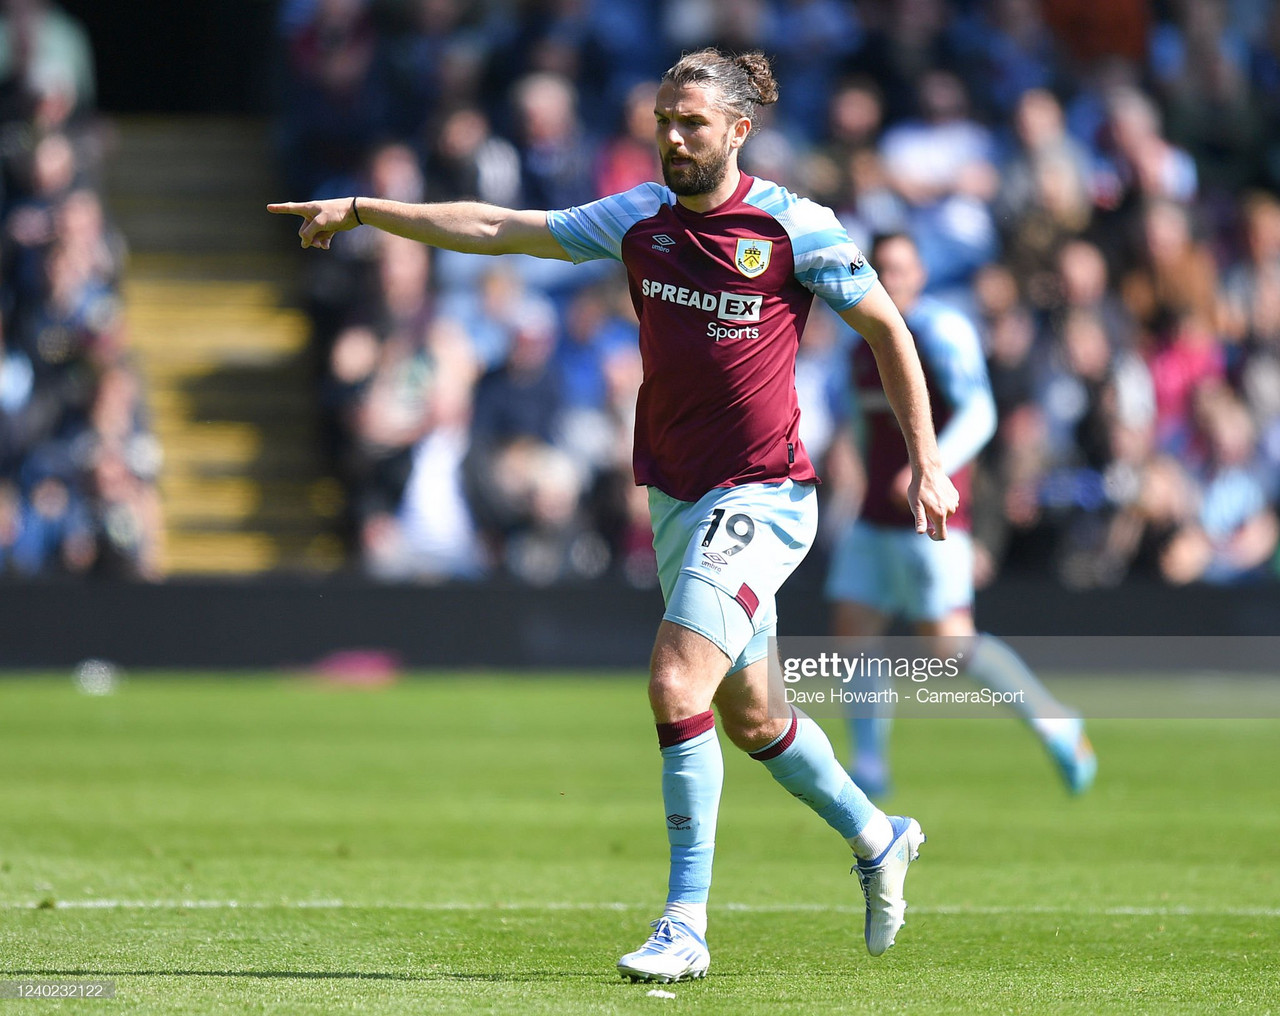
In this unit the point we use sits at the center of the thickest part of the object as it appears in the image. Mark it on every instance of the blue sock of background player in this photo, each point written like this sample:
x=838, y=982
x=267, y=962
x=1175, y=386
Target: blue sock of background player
x=993, y=664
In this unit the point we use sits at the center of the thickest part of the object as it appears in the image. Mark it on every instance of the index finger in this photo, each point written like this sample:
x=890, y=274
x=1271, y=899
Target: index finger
x=286, y=208
x=939, y=530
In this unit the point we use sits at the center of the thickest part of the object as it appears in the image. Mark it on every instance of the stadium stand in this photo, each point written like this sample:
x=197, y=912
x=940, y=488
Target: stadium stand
x=1098, y=195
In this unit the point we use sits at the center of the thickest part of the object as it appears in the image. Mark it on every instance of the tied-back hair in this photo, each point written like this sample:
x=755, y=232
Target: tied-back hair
x=741, y=82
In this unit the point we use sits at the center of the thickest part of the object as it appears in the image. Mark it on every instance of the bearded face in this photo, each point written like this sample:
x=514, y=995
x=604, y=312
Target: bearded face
x=695, y=138
x=696, y=174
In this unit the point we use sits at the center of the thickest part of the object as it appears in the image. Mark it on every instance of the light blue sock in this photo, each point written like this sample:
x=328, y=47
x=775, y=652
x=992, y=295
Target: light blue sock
x=692, y=775
x=802, y=761
x=869, y=744
x=993, y=664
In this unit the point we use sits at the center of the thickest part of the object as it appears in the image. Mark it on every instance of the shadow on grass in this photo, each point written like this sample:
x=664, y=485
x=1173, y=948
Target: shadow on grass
x=517, y=977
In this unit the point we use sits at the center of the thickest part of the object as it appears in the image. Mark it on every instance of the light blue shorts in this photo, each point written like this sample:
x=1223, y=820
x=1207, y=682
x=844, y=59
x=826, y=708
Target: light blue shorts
x=723, y=558
x=901, y=572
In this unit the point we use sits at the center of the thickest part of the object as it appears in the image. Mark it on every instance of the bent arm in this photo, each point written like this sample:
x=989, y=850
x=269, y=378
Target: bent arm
x=932, y=496
x=472, y=227
x=972, y=425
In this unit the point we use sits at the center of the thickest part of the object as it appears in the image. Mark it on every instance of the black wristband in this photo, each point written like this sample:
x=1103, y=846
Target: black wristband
x=356, y=212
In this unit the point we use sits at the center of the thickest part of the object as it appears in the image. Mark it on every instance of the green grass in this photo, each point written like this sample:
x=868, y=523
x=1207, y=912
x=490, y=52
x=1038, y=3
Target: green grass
x=474, y=844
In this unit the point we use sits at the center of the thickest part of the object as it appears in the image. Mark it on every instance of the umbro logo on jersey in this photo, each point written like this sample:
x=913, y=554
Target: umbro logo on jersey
x=663, y=243
x=677, y=821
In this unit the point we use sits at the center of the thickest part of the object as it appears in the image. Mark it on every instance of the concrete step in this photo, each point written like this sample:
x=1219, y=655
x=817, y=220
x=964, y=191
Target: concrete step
x=213, y=553
x=225, y=358
x=242, y=498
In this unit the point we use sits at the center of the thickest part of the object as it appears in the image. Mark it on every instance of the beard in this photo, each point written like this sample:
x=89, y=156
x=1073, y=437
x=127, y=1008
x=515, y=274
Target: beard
x=700, y=176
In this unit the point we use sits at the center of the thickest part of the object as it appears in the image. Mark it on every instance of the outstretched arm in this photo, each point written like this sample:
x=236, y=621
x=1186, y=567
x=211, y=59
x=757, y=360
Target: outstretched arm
x=469, y=226
x=932, y=496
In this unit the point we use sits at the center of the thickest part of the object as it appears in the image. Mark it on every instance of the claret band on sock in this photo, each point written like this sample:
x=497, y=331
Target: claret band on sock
x=683, y=730
x=779, y=744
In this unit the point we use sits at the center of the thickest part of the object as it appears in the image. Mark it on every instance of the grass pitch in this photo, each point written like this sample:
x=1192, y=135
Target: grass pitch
x=478, y=844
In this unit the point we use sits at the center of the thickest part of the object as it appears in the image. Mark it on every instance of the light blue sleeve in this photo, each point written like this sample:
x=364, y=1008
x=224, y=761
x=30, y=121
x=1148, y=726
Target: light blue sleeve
x=592, y=231
x=826, y=260
x=950, y=346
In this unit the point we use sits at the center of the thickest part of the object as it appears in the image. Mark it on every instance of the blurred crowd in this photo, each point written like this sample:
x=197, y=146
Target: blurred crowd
x=77, y=457
x=1093, y=183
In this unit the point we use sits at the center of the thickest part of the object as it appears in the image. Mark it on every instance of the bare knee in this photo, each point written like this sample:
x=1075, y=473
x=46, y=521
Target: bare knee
x=752, y=728
x=684, y=673
x=672, y=693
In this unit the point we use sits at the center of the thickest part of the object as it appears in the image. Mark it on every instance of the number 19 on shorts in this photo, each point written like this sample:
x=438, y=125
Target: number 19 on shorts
x=738, y=531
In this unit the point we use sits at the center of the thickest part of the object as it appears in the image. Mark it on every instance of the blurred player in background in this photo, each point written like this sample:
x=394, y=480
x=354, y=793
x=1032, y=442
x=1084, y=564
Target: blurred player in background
x=723, y=269
x=880, y=569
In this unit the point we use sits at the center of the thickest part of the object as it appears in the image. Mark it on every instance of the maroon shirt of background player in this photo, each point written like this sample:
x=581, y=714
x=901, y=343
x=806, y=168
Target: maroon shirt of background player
x=884, y=450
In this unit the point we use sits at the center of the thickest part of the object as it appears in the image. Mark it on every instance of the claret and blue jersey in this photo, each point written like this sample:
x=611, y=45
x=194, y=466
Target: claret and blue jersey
x=955, y=374
x=722, y=298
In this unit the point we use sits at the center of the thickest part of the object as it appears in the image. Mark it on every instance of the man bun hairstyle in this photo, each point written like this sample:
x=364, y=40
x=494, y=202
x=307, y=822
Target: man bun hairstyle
x=741, y=82
x=756, y=66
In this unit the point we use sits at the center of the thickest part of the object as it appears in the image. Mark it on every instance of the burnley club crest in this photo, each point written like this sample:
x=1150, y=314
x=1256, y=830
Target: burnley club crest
x=752, y=256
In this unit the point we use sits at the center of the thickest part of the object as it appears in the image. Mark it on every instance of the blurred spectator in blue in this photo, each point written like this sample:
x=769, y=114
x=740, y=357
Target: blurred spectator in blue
x=1198, y=33
x=566, y=39
x=522, y=397
x=595, y=333
x=435, y=54
x=1210, y=109
x=811, y=40
x=30, y=225
x=734, y=25
x=1233, y=534
x=54, y=534
x=1007, y=50
x=489, y=312
x=524, y=489
x=905, y=39
x=942, y=164
x=557, y=153
x=594, y=330
x=336, y=96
